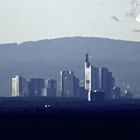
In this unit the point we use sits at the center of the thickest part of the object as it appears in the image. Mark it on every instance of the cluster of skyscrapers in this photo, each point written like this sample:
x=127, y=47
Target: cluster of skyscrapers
x=99, y=84
x=34, y=87
x=98, y=80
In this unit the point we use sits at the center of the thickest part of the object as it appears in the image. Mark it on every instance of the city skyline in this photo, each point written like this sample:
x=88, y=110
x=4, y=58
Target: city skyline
x=99, y=84
x=69, y=69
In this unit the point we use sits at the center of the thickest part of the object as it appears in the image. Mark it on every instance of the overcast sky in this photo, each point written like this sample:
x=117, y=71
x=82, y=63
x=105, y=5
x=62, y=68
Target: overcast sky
x=23, y=20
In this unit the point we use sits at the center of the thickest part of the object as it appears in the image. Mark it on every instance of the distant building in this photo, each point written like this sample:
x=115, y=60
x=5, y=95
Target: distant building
x=107, y=82
x=83, y=92
x=51, y=88
x=117, y=92
x=69, y=84
x=98, y=96
x=88, y=77
x=128, y=94
x=36, y=87
x=96, y=78
x=44, y=91
x=110, y=85
x=104, y=79
x=19, y=86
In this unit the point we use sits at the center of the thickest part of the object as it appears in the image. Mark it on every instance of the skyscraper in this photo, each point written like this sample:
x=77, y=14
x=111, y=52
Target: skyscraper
x=51, y=88
x=19, y=86
x=36, y=87
x=106, y=82
x=76, y=87
x=110, y=85
x=69, y=84
x=104, y=79
x=95, y=78
x=88, y=77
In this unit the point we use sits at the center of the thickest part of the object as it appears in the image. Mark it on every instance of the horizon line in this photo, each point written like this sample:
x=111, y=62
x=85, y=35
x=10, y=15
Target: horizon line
x=57, y=38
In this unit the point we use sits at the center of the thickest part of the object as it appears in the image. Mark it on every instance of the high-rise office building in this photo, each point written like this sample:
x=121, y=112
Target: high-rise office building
x=96, y=78
x=76, y=82
x=106, y=82
x=19, y=86
x=69, y=84
x=88, y=77
x=104, y=79
x=51, y=88
x=110, y=85
x=36, y=87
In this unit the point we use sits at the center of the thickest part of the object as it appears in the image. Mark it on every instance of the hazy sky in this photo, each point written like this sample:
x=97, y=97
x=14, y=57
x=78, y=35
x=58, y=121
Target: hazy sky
x=22, y=20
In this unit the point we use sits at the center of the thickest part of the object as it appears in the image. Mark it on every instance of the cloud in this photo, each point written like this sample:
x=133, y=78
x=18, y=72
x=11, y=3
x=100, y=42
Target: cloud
x=138, y=18
x=115, y=18
x=135, y=8
x=136, y=30
x=102, y=4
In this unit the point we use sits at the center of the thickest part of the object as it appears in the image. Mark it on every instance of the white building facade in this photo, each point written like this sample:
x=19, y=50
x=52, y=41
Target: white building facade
x=88, y=77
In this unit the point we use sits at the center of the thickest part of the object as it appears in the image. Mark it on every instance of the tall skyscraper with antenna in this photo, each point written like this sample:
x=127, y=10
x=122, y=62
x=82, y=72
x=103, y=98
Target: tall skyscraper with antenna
x=88, y=77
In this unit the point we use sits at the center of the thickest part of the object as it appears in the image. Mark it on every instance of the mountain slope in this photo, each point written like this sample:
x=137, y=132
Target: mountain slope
x=45, y=58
